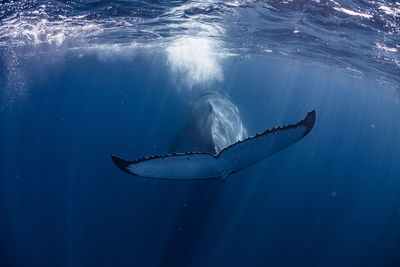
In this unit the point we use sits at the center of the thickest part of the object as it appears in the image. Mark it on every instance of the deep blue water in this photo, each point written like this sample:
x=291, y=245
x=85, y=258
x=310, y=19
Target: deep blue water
x=81, y=80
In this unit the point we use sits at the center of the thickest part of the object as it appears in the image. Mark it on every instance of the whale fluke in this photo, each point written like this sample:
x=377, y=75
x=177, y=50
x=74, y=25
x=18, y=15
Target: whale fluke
x=203, y=165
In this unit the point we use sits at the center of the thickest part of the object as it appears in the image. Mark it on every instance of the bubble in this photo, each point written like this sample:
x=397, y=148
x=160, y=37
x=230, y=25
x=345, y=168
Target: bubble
x=195, y=61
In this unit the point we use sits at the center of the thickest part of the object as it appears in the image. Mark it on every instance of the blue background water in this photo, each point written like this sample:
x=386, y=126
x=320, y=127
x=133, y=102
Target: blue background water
x=332, y=199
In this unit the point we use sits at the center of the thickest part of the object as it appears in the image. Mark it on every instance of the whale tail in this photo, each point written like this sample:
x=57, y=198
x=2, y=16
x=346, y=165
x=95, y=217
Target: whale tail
x=203, y=165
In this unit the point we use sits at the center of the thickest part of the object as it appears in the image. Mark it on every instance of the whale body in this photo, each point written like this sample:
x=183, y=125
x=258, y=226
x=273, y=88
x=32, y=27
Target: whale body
x=213, y=124
x=216, y=132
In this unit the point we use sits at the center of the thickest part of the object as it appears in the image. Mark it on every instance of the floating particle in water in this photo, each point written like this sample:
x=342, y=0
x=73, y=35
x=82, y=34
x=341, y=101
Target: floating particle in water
x=334, y=193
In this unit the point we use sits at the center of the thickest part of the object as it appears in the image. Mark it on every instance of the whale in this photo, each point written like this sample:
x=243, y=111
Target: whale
x=213, y=123
x=219, y=144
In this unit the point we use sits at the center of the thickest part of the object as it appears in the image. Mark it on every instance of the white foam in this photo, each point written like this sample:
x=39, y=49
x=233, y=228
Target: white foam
x=28, y=30
x=381, y=46
x=353, y=13
x=392, y=11
x=196, y=60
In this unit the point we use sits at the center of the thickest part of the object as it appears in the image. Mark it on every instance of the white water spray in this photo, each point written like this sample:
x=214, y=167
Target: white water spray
x=194, y=61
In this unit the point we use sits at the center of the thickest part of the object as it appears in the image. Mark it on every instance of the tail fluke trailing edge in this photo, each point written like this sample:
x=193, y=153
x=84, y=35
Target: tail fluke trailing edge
x=199, y=165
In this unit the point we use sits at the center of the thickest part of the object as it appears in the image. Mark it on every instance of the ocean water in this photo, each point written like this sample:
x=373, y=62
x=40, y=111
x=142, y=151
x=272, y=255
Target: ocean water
x=82, y=80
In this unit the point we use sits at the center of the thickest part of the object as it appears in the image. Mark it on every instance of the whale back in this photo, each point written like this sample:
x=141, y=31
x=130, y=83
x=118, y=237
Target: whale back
x=214, y=123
